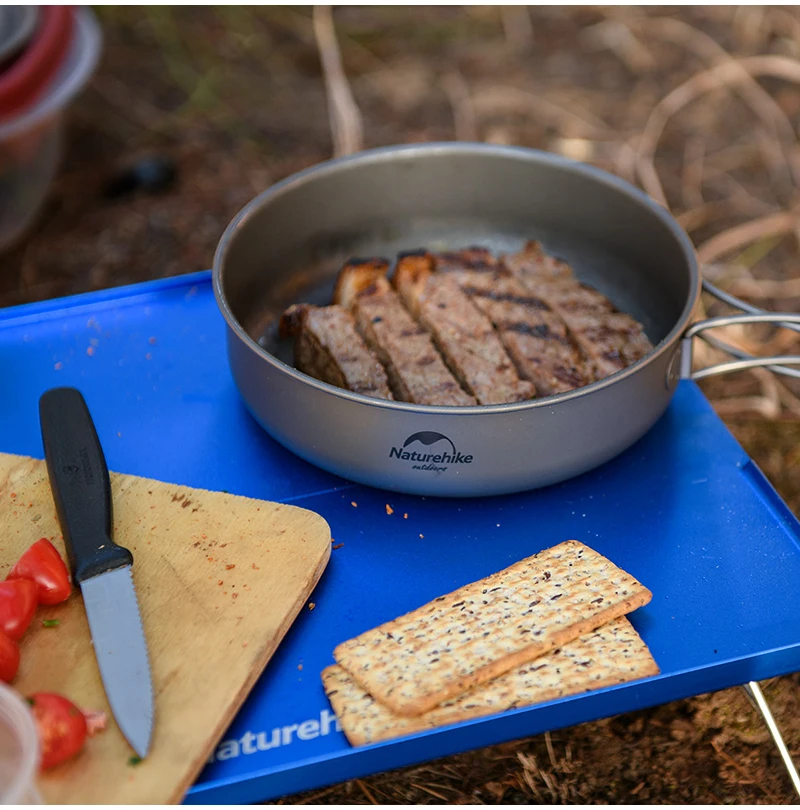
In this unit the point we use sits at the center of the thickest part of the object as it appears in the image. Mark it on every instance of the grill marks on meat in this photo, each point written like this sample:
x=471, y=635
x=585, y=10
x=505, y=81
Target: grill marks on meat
x=328, y=347
x=477, y=259
x=462, y=333
x=610, y=340
x=415, y=370
x=534, y=336
x=463, y=328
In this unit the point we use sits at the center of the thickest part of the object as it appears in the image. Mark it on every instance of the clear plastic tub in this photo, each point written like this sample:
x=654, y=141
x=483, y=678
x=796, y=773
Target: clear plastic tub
x=30, y=144
x=19, y=750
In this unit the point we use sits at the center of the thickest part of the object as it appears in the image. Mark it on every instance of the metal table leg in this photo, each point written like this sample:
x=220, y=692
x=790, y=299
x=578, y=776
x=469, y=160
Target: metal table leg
x=753, y=691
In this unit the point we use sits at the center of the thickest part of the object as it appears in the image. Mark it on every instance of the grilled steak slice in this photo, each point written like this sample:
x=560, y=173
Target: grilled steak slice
x=547, y=266
x=462, y=333
x=328, y=347
x=415, y=370
x=478, y=259
x=535, y=338
x=609, y=339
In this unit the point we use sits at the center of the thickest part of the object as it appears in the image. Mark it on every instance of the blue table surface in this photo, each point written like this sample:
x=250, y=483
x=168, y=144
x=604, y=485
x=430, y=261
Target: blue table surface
x=684, y=510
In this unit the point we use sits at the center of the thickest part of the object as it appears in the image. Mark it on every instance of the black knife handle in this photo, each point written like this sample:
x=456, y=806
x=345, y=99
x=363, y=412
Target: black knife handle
x=81, y=487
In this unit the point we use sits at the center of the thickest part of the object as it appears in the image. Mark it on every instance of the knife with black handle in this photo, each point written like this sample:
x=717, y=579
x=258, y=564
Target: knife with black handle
x=82, y=493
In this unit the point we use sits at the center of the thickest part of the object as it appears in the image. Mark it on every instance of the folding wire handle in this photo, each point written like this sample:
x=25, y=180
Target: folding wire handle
x=778, y=364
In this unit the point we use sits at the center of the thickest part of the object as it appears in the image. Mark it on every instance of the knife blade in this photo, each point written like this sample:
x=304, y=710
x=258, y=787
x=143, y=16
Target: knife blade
x=81, y=489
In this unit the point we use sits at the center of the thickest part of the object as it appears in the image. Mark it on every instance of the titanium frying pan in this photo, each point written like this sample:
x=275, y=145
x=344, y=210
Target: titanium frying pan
x=287, y=245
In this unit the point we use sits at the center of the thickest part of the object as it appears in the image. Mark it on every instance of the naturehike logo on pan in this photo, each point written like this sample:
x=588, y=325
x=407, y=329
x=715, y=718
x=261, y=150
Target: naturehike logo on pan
x=442, y=453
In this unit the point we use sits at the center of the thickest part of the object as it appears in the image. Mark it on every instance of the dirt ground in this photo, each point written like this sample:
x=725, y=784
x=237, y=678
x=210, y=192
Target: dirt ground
x=234, y=99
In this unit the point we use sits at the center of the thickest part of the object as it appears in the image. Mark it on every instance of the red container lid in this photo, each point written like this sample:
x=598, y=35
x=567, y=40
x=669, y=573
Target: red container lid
x=28, y=76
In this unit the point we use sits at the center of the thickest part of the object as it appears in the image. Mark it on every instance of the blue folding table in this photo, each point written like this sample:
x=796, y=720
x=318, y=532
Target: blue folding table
x=684, y=510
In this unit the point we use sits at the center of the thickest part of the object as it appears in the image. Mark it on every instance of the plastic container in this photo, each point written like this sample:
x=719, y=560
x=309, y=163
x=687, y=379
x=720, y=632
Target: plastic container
x=17, y=27
x=28, y=77
x=19, y=750
x=30, y=144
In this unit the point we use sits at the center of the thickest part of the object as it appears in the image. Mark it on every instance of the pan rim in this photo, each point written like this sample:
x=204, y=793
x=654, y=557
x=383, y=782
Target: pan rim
x=385, y=153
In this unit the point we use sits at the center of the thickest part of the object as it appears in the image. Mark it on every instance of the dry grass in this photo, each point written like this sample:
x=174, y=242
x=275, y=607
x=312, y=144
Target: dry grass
x=345, y=117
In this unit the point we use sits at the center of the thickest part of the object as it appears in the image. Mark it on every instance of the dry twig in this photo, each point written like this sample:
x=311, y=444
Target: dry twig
x=692, y=176
x=618, y=38
x=517, y=27
x=765, y=288
x=457, y=91
x=548, y=741
x=768, y=404
x=343, y=112
x=749, y=27
x=748, y=777
x=780, y=21
x=366, y=792
x=574, y=122
x=429, y=790
x=707, y=213
x=741, y=235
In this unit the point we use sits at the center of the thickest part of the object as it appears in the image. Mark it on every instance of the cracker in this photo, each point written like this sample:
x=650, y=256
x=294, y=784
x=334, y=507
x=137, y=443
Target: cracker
x=610, y=655
x=484, y=629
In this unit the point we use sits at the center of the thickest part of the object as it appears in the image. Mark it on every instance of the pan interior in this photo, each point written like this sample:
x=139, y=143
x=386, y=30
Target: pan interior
x=289, y=246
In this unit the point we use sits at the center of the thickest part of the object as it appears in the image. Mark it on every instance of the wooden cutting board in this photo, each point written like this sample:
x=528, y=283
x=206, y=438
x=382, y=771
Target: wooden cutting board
x=219, y=579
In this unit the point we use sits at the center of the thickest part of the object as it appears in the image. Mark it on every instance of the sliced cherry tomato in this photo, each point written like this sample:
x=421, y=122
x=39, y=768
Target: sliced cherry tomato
x=18, y=600
x=61, y=726
x=42, y=564
x=9, y=658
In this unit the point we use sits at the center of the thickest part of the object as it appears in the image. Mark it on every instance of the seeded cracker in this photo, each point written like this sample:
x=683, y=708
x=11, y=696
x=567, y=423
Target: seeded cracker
x=607, y=656
x=484, y=629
